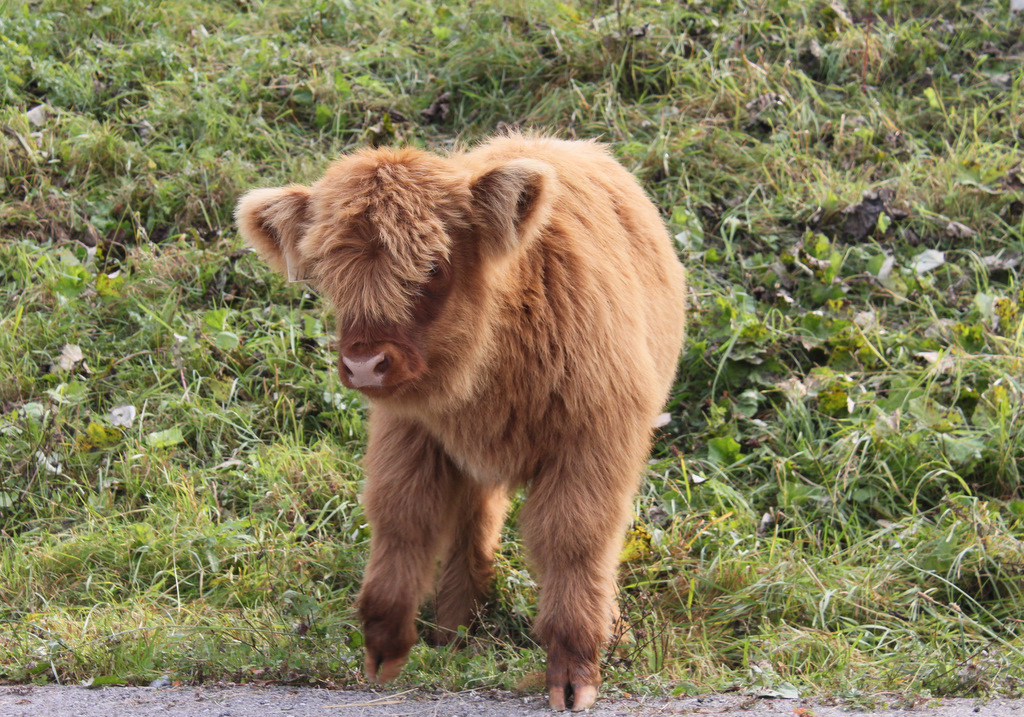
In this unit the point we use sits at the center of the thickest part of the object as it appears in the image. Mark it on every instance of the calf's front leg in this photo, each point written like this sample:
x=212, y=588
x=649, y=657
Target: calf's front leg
x=408, y=500
x=573, y=524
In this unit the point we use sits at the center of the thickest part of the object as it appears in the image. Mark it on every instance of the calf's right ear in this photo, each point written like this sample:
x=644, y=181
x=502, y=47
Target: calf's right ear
x=273, y=221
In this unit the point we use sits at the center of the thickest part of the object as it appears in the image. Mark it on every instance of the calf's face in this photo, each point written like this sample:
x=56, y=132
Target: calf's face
x=395, y=240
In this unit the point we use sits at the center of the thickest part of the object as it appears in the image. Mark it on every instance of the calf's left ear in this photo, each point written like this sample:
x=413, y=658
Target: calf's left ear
x=512, y=202
x=273, y=221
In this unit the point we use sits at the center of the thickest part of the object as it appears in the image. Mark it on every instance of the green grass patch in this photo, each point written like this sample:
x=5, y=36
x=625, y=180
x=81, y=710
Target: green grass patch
x=837, y=500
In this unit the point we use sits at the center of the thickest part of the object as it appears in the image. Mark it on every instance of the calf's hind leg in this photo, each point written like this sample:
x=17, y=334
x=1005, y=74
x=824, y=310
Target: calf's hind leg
x=467, y=571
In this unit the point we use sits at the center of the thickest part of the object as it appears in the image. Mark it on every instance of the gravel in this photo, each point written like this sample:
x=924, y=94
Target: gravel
x=265, y=701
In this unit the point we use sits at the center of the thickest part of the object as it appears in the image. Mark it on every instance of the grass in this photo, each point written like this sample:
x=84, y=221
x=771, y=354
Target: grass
x=837, y=501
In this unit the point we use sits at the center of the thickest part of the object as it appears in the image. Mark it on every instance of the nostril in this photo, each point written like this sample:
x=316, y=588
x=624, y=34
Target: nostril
x=382, y=366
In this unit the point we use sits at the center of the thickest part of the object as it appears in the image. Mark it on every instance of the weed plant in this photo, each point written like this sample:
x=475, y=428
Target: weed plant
x=835, y=506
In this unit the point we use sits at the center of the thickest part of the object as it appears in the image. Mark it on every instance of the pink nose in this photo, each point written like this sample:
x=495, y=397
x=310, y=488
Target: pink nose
x=367, y=372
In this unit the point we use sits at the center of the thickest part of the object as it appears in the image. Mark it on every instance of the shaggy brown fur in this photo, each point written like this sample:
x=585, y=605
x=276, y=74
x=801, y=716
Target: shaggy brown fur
x=514, y=314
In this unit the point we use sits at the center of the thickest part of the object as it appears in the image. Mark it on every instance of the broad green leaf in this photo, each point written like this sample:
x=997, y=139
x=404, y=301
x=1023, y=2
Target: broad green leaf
x=994, y=409
x=73, y=281
x=881, y=265
x=801, y=494
x=933, y=415
x=883, y=223
x=217, y=318
x=34, y=411
x=787, y=691
x=723, y=451
x=312, y=327
x=962, y=450
x=323, y=115
x=227, y=341
x=72, y=392
x=342, y=86
x=221, y=390
x=747, y=403
x=165, y=439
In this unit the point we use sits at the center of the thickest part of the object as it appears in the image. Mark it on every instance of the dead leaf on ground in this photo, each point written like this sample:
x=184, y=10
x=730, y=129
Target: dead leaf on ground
x=639, y=30
x=761, y=106
x=88, y=236
x=1002, y=81
x=841, y=11
x=439, y=109
x=885, y=270
x=867, y=320
x=998, y=263
x=861, y=220
x=1014, y=179
x=927, y=260
x=37, y=115
x=959, y=231
x=70, y=355
x=794, y=388
x=122, y=416
x=814, y=50
x=990, y=48
x=942, y=362
x=765, y=101
x=143, y=128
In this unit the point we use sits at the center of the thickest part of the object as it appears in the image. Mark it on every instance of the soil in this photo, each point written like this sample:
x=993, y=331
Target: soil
x=265, y=701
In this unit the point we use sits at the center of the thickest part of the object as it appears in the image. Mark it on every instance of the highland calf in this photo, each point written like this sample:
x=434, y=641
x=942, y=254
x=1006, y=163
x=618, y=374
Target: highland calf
x=514, y=315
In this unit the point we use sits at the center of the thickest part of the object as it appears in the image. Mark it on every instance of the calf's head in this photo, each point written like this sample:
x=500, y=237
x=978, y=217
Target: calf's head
x=396, y=241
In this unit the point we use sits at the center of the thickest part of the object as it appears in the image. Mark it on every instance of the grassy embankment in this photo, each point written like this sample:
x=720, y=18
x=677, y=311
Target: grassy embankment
x=837, y=500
